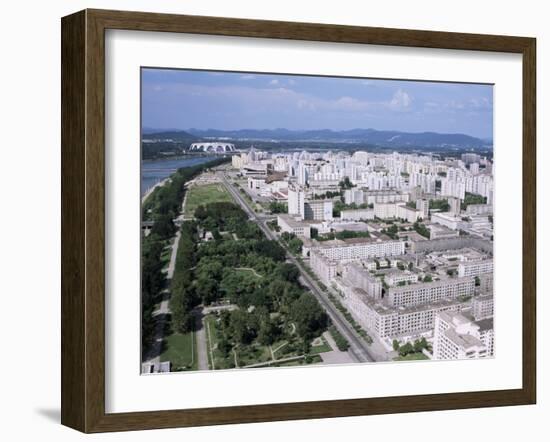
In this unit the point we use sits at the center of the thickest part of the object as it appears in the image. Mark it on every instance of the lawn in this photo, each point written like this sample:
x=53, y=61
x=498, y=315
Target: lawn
x=321, y=348
x=205, y=194
x=253, y=354
x=412, y=357
x=180, y=350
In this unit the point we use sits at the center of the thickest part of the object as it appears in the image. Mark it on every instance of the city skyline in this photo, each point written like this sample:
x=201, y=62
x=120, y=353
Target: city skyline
x=184, y=99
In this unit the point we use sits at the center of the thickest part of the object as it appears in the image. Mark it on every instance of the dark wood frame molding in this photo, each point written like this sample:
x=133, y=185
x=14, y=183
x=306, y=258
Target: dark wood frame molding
x=83, y=217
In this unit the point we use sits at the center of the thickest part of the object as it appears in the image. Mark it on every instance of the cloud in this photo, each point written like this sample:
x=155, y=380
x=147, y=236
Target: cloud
x=401, y=100
x=351, y=104
x=274, y=82
x=305, y=105
x=248, y=77
x=291, y=81
x=480, y=103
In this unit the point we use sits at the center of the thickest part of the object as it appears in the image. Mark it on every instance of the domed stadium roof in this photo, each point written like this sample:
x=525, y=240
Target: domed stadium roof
x=215, y=147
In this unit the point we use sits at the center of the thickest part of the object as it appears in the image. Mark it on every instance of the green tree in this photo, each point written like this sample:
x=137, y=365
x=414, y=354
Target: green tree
x=164, y=226
x=269, y=332
x=288, y=272
x=242, y=327
x=345, y=183
x=206, y=289
x=181, y=305
x=295, y=245
x=309, y=317
x=405, y=349
x=420, y=344
x=224, y=346
x=277, y=207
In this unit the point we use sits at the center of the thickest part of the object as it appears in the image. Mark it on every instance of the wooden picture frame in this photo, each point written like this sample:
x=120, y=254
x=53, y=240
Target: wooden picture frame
x=83, y=219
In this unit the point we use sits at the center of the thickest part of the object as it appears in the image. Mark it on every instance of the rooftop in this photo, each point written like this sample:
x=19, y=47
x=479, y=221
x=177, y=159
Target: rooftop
x=485, y=324
x=463, y=340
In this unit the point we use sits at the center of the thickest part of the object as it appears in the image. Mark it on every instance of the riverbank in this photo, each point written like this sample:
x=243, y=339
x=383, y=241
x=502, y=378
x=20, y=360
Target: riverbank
x=153, y=172
x=149, y=191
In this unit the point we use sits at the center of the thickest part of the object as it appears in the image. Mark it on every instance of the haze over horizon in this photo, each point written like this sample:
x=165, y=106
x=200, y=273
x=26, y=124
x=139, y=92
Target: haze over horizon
x=227, y=101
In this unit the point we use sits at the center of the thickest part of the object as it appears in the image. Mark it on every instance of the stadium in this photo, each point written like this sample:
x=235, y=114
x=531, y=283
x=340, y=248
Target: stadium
x=212, y=147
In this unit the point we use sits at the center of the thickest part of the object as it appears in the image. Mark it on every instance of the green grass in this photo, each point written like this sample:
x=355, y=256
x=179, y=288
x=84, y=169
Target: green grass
x=324, y=347
x=205, y=194
x=180, y=350
x=253, y=354
x=412, y=357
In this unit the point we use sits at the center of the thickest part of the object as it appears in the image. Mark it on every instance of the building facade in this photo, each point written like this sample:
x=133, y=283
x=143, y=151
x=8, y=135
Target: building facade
x=426, y=292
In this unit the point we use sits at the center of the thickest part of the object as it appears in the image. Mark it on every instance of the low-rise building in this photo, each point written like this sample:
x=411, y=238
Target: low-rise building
x=357, y=215
x=448, y=220
x=475, y=268
x=325, y=268
x=361, y=248
x=425, y=292
x=256, y=183
x=457, y=337
x=438, y=231
x=357, y=275
x=293, y=225
x=385, y=210
x=408, y=213
x=387, y=321
x=486, y=283
x=483, y=307
x=400, y=277
x=479, y=209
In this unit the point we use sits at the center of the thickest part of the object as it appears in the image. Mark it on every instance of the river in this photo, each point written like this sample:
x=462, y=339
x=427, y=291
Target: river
x=153, y=171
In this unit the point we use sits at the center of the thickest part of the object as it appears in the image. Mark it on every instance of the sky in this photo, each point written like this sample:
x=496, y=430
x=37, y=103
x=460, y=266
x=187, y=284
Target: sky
x=184, y=99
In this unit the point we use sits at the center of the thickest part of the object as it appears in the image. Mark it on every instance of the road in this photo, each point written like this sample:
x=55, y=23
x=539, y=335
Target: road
x=358, y=350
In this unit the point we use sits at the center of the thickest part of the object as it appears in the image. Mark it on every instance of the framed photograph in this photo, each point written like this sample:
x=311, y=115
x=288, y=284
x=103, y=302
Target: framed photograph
x=269, y=220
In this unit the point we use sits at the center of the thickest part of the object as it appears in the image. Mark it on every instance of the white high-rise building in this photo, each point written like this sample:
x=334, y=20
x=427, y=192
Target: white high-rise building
x=451, y=187
x=424, y=207
x=295, y=201
x=318, y=210
x=302, y=174
x=454, y=205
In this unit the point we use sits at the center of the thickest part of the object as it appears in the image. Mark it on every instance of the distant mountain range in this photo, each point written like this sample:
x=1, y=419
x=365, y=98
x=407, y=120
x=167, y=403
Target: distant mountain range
x=170, y=134
x=384, y=138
